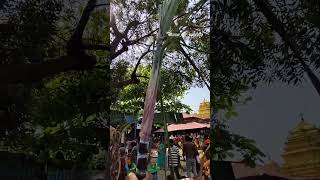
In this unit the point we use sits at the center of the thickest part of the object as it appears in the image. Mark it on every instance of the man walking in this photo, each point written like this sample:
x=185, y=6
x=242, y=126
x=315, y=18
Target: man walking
x=174, y=159
x=190, y=153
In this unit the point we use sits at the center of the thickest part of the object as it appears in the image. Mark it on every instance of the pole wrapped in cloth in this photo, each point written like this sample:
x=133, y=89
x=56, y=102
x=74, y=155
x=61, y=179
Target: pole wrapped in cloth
x=167, y=10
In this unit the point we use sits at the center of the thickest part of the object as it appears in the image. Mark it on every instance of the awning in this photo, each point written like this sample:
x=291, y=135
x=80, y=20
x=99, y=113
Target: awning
x=184, y=126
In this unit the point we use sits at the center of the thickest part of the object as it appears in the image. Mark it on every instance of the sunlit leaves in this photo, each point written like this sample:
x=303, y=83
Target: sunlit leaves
x=131, y=98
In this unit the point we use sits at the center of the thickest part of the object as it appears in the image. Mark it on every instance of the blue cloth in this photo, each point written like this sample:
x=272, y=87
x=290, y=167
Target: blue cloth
x=161, y=156
x=129, y=119
x=155, y=176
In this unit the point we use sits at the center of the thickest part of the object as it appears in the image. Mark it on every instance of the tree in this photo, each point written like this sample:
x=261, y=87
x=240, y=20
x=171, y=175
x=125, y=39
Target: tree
x=76, y=58
x=50, y=71
x=259, y=42
x=72, y=57
x=42, y=48
x=270, y=40
x=133, y=32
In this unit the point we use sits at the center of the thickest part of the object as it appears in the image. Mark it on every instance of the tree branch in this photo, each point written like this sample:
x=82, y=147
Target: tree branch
x=104, y=4
x=76, y=38
x=75, y=60
x=194, y=48
x=120, y=51
x=125, y=45
x=119, y=36
x=17, y=73
x=139, y=61
x=96, y=47
x=194, y=67
x=134, y=77
x=278, y=26
x=122, y=84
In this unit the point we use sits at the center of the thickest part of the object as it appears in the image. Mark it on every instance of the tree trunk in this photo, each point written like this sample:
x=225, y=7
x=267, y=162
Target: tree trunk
x=313, y=78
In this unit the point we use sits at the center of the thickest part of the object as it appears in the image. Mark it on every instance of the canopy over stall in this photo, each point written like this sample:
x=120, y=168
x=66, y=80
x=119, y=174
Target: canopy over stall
x=184, y=126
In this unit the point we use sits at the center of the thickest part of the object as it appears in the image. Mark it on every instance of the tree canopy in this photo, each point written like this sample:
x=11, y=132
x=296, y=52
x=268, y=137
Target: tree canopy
x=254, y=42
x=56, y=56
x=266, y=41
x=55, y=70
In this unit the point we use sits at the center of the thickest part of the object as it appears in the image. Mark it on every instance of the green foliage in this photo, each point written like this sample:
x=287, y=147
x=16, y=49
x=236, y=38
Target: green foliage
x=258, y=52
x=131, y=98
x=247, y=50
x=67, y=110
x=63, y=113
x=226, y=144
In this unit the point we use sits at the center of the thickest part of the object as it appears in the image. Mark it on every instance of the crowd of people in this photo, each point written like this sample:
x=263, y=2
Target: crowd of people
x=183, y=156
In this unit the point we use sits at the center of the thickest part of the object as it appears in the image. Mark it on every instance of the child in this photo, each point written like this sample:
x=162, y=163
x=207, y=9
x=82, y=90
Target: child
x=131, y=166
x=153, y=168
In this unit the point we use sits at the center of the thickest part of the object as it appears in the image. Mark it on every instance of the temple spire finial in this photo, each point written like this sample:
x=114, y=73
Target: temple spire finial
x=301, y=117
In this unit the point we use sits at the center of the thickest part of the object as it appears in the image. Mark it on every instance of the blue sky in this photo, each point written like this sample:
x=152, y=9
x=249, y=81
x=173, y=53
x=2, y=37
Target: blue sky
x=195, y=96
x=273, y=111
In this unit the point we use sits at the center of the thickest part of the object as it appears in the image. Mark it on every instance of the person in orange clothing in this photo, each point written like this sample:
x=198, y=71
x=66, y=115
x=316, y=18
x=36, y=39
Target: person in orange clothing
x=206, y=167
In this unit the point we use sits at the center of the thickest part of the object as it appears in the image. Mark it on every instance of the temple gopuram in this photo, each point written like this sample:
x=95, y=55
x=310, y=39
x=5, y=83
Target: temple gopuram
x=204, y=109
x=203, y=115
x=302, y=151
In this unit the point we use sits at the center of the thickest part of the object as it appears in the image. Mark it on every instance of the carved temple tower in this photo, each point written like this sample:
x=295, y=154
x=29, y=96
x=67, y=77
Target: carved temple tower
x=204, y=109
x=302, y=151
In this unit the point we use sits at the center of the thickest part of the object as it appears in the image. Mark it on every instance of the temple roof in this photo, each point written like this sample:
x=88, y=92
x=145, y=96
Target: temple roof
x=302, y=126
x=204, y=109
x=204, y=105
x=302, y=150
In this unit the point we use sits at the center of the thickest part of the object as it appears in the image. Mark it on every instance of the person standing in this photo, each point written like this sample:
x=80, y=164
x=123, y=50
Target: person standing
x=134, y=152
x=174, y=159
x=130, y=166
x=153, y=169
x=122, y=173
x=161, y=156
x=190, y=153
x=206, y=167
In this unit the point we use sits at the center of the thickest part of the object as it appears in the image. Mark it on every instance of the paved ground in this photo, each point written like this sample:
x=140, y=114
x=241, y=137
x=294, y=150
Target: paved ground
x=161, y=174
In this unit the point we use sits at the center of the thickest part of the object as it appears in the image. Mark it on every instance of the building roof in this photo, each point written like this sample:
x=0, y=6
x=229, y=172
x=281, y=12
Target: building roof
x=193, y=116
x=186, y=115
x=241, y=170
x=185, y=126
x=302, y=126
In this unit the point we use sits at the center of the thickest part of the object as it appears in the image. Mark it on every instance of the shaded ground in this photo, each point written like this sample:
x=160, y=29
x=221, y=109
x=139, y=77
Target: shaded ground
x=183, y=172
